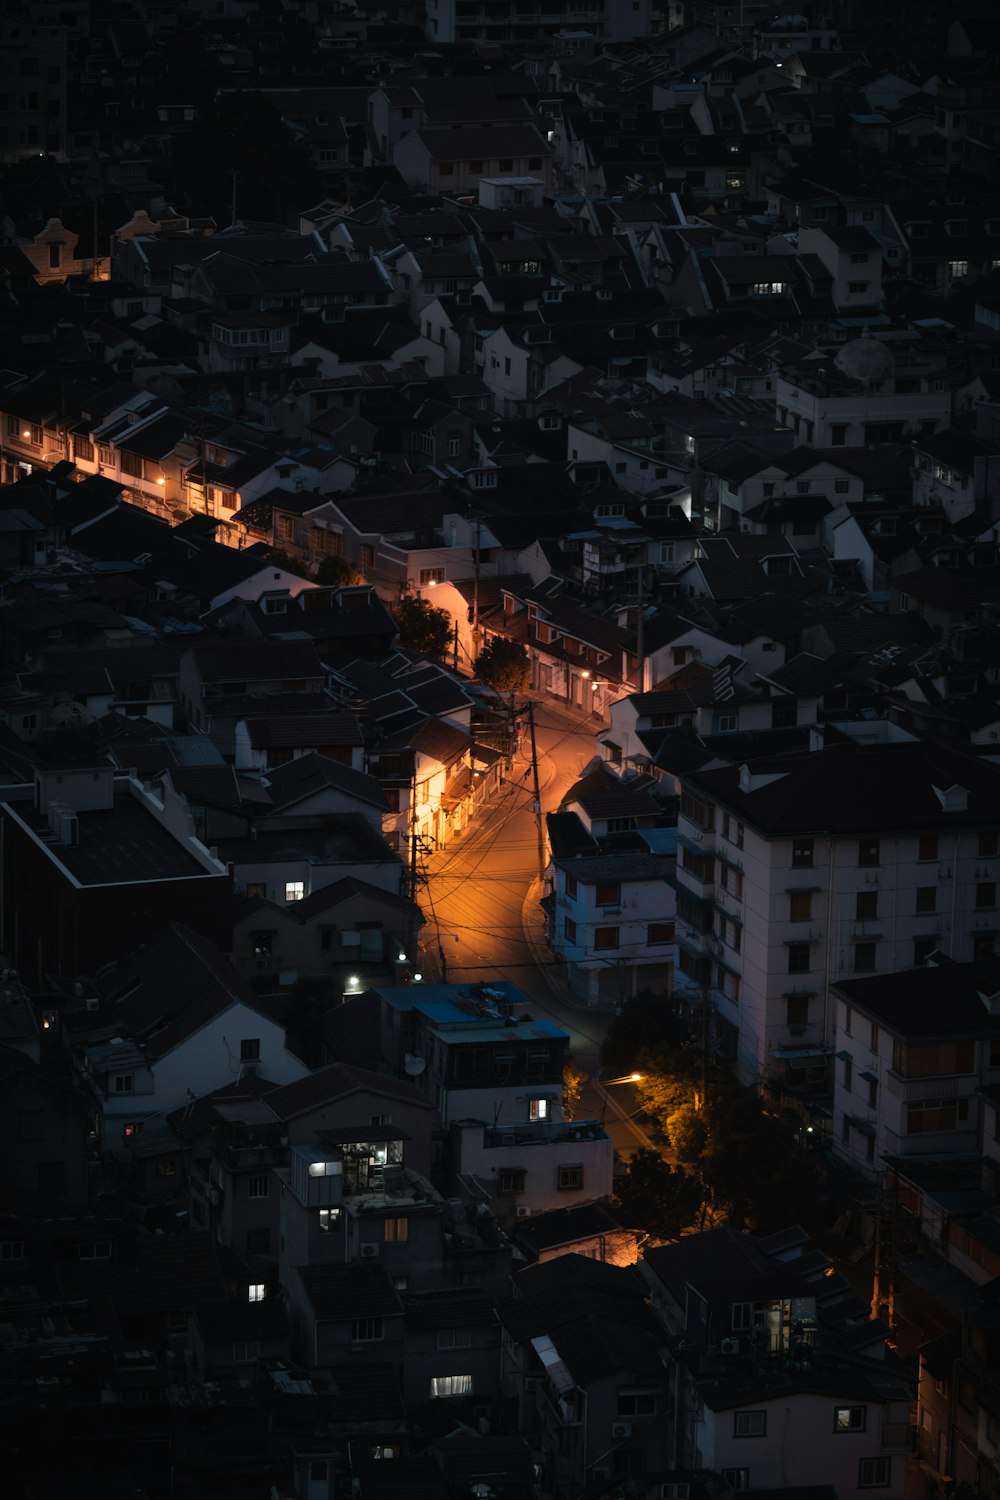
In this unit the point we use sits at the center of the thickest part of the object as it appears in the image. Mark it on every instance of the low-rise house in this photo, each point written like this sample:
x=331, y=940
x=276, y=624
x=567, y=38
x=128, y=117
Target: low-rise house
x=97, y=854
x=755, y=1347
x=585, y=1369
x=170, y=1022
x=341, y=1313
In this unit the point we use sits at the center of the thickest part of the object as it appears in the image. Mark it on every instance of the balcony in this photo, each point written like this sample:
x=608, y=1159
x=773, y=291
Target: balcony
x=896, y=1437
x=950, y=1086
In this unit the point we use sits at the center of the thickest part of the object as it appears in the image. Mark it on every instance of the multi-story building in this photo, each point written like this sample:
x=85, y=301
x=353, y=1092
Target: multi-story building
x=496, y=1079
x=769, y=1342
x=917, y=1054
x=860, y=856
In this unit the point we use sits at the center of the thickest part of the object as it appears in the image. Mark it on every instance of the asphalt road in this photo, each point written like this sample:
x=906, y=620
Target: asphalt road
x=475, y=899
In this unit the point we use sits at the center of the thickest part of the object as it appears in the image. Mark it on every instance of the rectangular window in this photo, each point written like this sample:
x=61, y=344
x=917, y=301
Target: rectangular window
x=327, y=1219
x=866, y=906
x=636, y=1404
x=511, y=1179
x=367, y=1331
x=249, y=1049
x=256, y=1291
x=874, y=1473
x=986, y=895
x=451, y=1385
x=569, y=1179
x=121, y=1083
x=927, y=846
x=295, y=890
x=797, y=1010
x=849, y=1418
x=868, y=852
x=864, y=957
x=131, y=464
x=988, y=844
x=659, y=932
x=802, y=854
x=11, y=1250
x=800, y=906
x=926, y=899
x=396, y=1231
x=258, y=1186
x=841, y=486
x=605, y=937
x=749, y=1424
x=539, y=1109
x=737, y=1479
x=608, y=893
x=798, y=958
x=431, y=575
x=454, y=1338
x=569, y=929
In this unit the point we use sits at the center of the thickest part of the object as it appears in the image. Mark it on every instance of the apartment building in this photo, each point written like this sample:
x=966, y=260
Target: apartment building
x=863, y=855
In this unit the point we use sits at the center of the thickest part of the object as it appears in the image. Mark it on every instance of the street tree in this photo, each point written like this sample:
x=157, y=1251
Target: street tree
x=423, y=626
x=574, y=1079
x=663, y=1200
x=504, y=665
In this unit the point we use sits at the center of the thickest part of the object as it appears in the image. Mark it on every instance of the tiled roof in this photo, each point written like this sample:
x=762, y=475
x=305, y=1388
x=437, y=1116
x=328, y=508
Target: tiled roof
x=173, y=986
x=339, y=1081
x=340, y=1293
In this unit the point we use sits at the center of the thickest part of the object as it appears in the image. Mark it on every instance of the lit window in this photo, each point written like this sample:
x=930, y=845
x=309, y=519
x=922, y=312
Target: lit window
x=396, y=1231
x=849, y=1419
x=323, y=1168
x=538, y=1109
x=256, y=1291
x=327, y=1219
x=451, y=1385
x=568, y=1179
x=294, y=890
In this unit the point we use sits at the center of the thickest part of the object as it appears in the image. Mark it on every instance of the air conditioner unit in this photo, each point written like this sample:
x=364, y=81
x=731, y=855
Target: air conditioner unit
x=621, y=1430
x=522, y=1211
x=368, y=1252
x=250, y=1069
x=92, y=1002
x=729, y=1346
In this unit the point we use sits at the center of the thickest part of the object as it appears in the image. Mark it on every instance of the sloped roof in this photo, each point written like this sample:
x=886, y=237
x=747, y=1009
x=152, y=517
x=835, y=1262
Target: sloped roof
x=339, y=1081
x=341, y=1293
x=173, y=986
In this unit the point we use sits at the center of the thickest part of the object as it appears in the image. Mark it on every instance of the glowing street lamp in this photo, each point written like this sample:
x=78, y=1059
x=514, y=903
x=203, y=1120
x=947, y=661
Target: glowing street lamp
x=628, y=1078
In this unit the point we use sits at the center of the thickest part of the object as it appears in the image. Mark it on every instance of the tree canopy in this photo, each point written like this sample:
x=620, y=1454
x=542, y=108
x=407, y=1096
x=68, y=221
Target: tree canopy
x=504, y=665
x=423, y=626
x=663, y=1200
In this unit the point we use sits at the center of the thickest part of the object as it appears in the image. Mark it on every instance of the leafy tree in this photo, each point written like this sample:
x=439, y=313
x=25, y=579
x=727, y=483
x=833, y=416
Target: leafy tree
x=574, y=1079
x=663, y=1200
x=423, y=626
x=290, y=564
x=644, y=1027
x=337, y=572
x=504, y=665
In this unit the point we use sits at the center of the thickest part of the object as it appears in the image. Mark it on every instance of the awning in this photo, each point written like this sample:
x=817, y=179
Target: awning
x=791, y=1054
x=869, y=1077
x=845, y=1056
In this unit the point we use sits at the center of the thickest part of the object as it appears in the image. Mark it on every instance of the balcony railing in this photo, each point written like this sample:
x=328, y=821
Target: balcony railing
x=938, y=1086
x=544, y=1133
x=896, y=1437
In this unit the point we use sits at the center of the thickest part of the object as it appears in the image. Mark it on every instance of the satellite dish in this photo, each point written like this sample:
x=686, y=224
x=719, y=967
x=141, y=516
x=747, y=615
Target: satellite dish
x=413, y=1065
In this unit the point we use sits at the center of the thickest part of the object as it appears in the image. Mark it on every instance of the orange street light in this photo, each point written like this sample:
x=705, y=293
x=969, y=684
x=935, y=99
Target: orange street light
x=628, y=1078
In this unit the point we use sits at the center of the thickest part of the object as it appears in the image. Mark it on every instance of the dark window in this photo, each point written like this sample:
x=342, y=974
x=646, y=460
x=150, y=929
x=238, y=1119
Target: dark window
x=988, y=843
x=926, y=898
x=798, y=958
x=249, y=1049
x=800, y=906
x=868, y=851
x=866, y=906
x=798, y=1010
x=927, y=846
x=569, y=1178
x=986, y=894
x=569, y=929
x=864, y=957
x=802, y=854
x=608, y=893
x=605, y=937
x=749, y=1424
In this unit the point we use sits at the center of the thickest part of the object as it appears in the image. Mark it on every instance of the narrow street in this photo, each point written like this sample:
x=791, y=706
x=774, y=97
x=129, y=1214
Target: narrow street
x=474, y=902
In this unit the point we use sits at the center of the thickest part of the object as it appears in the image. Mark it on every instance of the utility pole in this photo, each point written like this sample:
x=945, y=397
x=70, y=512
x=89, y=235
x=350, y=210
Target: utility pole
x=475, y=590
x=640, y=667
x=413, y=836
x=537, y=803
